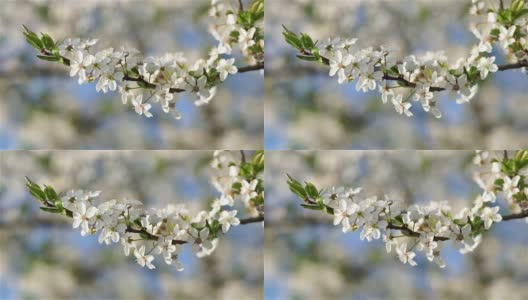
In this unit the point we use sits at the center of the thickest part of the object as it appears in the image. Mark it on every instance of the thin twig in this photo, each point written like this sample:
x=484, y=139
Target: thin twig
x=243, y=155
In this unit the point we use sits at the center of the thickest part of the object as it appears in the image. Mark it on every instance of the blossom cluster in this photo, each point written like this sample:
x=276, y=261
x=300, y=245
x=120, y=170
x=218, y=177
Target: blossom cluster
x=506, y=175
x=148, y=232
x=244, y=29
x=240, y=182
x=145, y=80
x=420, y=78
x=424, y=228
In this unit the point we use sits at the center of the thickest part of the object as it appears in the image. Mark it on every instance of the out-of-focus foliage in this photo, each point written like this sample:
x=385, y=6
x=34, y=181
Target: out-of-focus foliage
x=42, y=107
x=307, y=109
x=308, y=258
x=42, y=257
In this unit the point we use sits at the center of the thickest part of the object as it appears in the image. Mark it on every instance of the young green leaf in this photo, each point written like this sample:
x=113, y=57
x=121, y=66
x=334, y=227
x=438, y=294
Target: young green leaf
x=312, y=207
x=48, y=58
x=311, y=190
x=296, y=187
x=53, y=210
x=47, y=41
x=33, y=40
x=307, y=41
x=308, y=58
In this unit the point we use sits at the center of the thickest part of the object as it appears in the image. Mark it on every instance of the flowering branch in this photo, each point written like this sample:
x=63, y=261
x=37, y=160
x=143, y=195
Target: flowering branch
x=165, y=230
x=139, y=79
x=424, y=76
x=424, y=227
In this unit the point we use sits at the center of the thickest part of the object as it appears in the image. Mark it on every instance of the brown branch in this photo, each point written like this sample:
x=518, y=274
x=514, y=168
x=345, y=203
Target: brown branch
x=243, y=156
x=252, y=220
x=36, y=221
x=513, y=66
x=258, y=66
x=148, y=84
x=410, y=232
x=520, y=215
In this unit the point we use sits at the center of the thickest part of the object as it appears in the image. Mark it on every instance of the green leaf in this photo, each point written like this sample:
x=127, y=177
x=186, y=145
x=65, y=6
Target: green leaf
x=53, y=210
x=296, y=187
x=26, y=30
x=257, y=6
x=246, y=170
x=504, y=16
x=258, y=161
x=34, y=41
x=308, y=58
x=312, y=207
x=517, y=5
x=29, y=182
x=291, y=38
x=311, y=190
x=307, y=41
x=520, y=13
x=48, y=58
x=236, y=187
x=47, y=41
x=50, y=193
x=36, y=191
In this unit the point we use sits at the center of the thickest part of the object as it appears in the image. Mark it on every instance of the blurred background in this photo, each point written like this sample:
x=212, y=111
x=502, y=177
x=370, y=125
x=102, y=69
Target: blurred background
x=306, y=109
x=41, y=107
x=42, y=257
x=306, y=257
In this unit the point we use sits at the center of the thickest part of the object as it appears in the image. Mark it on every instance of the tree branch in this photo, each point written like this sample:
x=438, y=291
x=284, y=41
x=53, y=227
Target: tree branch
x=141, y=80
x=409, y=232
x=34, y=222
x=258, y=66
x=520, y=215
x=252, y=220
x=242, y=156
x=409, y=84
